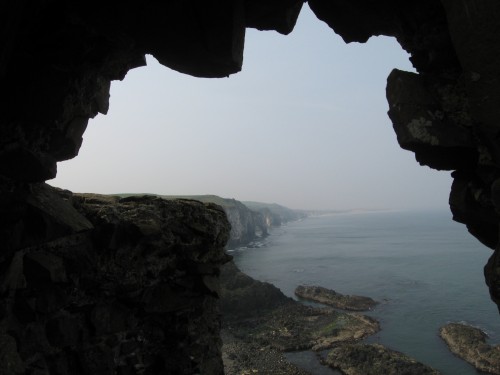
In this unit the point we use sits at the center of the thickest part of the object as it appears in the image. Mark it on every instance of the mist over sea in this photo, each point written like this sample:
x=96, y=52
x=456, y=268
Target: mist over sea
x=423, y=268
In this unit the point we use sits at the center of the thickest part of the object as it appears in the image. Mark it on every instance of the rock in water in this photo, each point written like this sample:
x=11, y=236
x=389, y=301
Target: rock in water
x=469, y=343
x=374, y=359
x=332, y=298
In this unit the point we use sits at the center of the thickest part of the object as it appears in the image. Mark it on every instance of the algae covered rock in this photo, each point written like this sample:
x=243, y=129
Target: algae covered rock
x=374, y=359
x=332, y=298
x=469, y=343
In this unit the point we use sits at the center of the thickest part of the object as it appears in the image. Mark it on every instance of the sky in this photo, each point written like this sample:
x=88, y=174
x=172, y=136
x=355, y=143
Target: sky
x=304, y=124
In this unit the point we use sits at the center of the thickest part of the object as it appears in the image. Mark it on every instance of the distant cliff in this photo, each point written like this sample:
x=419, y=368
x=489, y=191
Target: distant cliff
x=249, y=220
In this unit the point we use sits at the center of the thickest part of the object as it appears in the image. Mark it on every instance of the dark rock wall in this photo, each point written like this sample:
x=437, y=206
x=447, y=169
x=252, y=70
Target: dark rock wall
x=65, y=271
x=130, y=288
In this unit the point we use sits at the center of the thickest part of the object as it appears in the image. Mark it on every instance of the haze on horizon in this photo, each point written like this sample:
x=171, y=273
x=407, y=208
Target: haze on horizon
x=304, y=125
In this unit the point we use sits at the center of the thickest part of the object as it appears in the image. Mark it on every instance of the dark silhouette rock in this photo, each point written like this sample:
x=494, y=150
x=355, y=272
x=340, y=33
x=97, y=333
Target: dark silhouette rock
x=124, y=288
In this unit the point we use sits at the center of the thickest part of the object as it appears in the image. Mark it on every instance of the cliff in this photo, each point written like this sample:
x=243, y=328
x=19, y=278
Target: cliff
x=249, y=220
x=120, y=286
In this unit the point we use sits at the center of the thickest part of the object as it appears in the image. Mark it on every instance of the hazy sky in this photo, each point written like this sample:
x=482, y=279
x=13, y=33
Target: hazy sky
x=304, y=125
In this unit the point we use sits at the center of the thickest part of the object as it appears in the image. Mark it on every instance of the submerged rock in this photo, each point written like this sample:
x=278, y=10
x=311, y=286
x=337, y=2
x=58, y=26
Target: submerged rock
x=374, y=359
x=469, y=343
x=332, y=298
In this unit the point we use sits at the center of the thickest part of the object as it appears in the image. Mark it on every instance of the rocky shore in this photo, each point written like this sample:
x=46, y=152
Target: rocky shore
x=260, y=324
x=374, y=359
x=469, y=343
x=331, y=298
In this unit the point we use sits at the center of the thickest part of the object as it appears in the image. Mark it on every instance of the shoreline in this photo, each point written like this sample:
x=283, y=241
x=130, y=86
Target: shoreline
x=260, y=324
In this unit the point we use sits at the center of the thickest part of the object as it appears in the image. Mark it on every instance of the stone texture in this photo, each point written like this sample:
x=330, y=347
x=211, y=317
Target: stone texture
x=375, y=359
x=470, y=344
x=332, y=298
x=127, y=294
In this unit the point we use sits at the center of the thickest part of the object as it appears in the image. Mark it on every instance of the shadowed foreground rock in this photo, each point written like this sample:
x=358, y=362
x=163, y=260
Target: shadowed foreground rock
x=470, y=344
x=331, y=298
x=362, y=359
x=129, y=286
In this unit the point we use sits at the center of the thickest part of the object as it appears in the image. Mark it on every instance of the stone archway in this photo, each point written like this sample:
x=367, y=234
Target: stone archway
x=56, y=64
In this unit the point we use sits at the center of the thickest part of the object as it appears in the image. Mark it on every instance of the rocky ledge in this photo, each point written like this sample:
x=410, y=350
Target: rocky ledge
x=118, y=286
x=332, y=298
x=374, y=359
x=260, y=323
x=469, y=343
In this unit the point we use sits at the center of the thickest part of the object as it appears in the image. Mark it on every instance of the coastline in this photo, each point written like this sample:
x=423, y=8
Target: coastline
x=284, y=242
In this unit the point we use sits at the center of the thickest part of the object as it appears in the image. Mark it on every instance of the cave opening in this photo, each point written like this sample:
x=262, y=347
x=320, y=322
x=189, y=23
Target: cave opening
x=278, y=127
x=99, y=284
x=309, y=130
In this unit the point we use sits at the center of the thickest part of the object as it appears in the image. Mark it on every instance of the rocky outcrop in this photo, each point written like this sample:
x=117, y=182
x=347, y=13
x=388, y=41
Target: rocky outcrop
x=246, y=225
x=470, y=344
x=243, y=296
x=109, y=282
x=259, y=312
x=374, y=359
x=332, y=298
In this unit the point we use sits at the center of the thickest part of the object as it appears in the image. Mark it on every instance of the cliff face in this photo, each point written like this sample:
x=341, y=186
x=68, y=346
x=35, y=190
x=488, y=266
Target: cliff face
x=246, y=225
x=127, y=286
x=57, y=59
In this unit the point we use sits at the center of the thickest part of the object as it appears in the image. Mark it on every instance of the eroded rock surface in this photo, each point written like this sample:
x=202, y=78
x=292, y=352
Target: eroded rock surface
x=470, y=344
x=258, y=317
x=332, y=298
x=375, y=359
x=122, y=286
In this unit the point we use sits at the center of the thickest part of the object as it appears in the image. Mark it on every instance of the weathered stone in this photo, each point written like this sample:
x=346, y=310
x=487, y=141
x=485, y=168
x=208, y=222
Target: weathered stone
x=112, y=317
x=64, y=330
x=50, y=299
x=470, y=344
x=422, y=127
x=14, y=277
x=42, y=267
x=97, y=360
x=374, y=359
x=332, y=298
x=279, y=15
x=10, y=362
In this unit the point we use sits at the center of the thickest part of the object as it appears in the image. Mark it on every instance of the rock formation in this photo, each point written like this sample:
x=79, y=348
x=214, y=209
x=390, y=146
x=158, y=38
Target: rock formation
x=257, y=316
x=374, y=359
x=470, y=344
x=125, y=286
x=57, y=59
x=331, y=298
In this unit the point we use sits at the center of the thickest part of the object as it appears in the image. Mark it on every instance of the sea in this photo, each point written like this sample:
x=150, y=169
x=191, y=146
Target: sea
x=423, y=268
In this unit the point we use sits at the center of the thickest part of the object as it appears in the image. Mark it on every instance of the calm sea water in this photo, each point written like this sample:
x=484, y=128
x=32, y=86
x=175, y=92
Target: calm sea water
x=425, y=270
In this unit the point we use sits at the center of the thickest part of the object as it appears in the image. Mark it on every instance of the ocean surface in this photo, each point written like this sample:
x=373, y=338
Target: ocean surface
x=423, y=268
